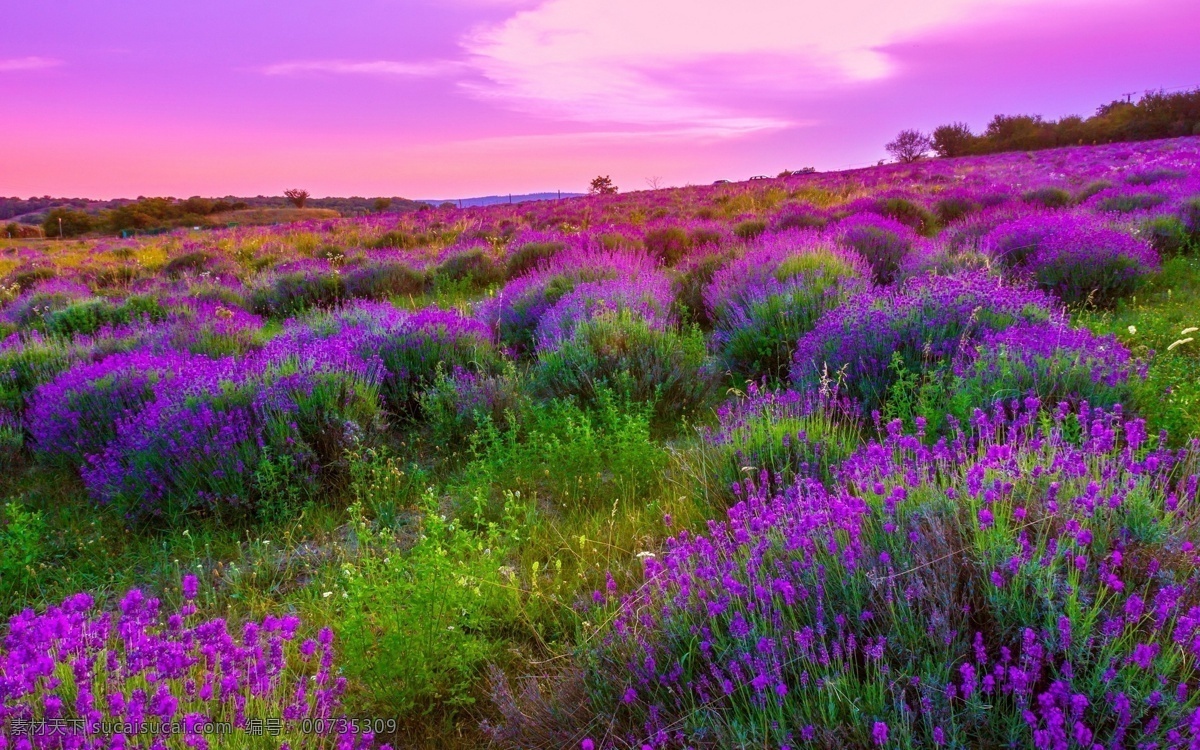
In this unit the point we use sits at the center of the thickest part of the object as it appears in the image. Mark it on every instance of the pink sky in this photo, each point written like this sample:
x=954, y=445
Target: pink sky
x=449, y=98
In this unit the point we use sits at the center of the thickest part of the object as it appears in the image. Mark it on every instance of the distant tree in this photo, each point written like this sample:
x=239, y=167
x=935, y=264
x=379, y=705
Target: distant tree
x=296, y=196
x=382, y=204
x=446, y=204
x=66, y=222
x=909, y=146
x=602, y=186
x=653, y=182
x=952, y=140
x=12, y=229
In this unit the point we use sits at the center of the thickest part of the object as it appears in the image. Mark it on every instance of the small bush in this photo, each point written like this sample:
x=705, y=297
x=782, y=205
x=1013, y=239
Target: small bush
x=289, y=291
x=688, y=286
x=883, y=242
x=667, y=244
x=460, y=402
x=954, y=208
x=529, y=255
x=379, y=280
x=777, y=436
x=474, y=267
x=909, y=213
x=1048, y=197
x=873, y=337
x=1167, y=235
x=1076, y=256
x=749, y=229
x=624, y=354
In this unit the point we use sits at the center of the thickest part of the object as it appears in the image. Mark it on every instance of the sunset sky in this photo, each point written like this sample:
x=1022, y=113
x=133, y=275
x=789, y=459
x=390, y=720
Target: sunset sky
x=454, y=98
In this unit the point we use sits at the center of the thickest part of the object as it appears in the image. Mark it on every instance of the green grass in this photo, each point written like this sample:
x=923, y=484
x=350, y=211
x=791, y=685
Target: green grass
x=1149, y=324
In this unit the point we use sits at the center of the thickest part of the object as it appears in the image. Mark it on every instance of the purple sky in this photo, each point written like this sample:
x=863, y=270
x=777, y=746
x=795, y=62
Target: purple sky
x=447, y=98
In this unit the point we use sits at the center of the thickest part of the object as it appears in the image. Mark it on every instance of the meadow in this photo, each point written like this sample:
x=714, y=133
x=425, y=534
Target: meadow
x=903, y=457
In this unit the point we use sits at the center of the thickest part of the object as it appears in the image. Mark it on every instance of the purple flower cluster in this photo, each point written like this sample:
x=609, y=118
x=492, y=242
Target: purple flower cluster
x=926, y=321
x=75, y=677
x=518, y=307
x=1077, y=256
x=1055, y=363
x=1029, y=582
x=647, y=296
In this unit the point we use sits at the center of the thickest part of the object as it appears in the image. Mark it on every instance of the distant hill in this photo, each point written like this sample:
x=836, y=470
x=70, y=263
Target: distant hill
x=33, y=210
x=491, y=200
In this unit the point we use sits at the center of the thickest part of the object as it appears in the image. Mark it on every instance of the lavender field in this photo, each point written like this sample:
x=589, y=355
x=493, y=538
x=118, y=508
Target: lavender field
x=898, y=457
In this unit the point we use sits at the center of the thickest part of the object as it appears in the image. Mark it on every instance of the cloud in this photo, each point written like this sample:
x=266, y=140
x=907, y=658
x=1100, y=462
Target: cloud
x=658, y=62
x=28, y=63
x=395, y=68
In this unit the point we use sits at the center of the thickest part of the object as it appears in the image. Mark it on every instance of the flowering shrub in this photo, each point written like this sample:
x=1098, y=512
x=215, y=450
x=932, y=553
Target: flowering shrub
x=647, y=296
x=461, y=402
x=42, y=299
x=776, y=436
x=926, y=321
x=383, y=278
x=75, y=415
x=766, y=299
x=72, y=673
x=1052, y=362
x=883, y=242
x=518, y=307
x=623, y=353
x=295, y=287
x=691, y=279
x=1028, y=583
x=1075, y=256
x=196, y=446
x=474, y=267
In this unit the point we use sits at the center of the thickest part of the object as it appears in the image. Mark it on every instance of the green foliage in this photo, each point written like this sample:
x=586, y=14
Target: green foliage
x=622, y=353
x=66, y=222
x=749, y=228
x=288, y=294
x=22, y=541
x=1168, y=235
x=910, y=213
x=668, y=244
x=460, y=403
x=383, y=279
x=416, y=626
x=688, y=285
x=528, y=256
x=475, y=269
x=1048, y=197
x=569, y=456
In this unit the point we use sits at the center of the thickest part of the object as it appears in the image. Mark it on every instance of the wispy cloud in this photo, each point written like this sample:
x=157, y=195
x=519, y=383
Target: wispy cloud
x=28, y=63
x=633, y=61
x=421, y=69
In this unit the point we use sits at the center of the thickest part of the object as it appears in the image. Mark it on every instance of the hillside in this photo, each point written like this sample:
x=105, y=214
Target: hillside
x=899, y=457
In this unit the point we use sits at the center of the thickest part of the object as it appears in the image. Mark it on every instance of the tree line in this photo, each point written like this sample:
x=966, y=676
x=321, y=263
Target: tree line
x=1157, y=114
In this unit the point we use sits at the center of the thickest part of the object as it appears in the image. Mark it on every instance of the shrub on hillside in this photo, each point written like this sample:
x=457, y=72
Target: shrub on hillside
x=883, y=242
x=1030, y=582
x=766, y=299
x=668, y=245
x=296, y=287
x=624, y=354
x=518, y=307
x=778, y=436
x=1076, y=256
x=647, y=296
x=870, y=340
x=381, y=279
x=691, y=278
x=475, y=267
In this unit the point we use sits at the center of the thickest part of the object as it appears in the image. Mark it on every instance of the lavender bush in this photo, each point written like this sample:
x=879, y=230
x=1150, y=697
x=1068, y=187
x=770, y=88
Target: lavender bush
x=1027, y=583
x=76, y=677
